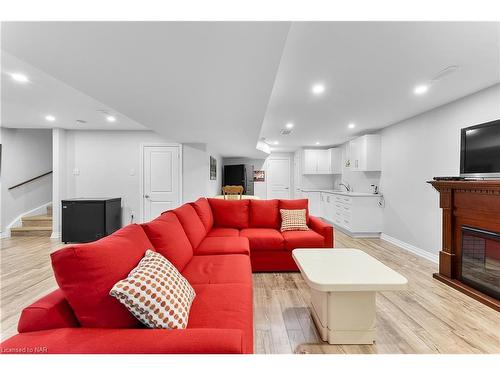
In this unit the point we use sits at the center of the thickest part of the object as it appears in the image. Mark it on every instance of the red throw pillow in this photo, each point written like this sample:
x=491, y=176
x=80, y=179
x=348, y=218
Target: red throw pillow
x=169, y=239
x=230, y=213
x=295, y=204
x=204, y=211
x=87, y=272
x=264, y=213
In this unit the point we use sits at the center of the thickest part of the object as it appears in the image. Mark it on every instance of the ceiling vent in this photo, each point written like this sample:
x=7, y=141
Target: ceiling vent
x=285, y=131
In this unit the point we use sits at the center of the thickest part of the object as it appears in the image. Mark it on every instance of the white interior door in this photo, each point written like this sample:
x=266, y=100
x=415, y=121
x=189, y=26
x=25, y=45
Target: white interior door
x=278, y=172
x=161, y=180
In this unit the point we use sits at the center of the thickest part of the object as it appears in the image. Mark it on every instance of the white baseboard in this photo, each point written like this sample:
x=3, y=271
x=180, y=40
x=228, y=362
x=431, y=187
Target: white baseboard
x=412, y=249
x=55, y=235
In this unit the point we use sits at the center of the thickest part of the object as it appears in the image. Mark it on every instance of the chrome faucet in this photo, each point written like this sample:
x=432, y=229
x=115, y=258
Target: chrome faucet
x=346, y=185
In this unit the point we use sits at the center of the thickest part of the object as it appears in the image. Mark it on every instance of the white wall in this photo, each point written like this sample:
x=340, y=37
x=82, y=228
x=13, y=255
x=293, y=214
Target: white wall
x=108, y=164
x=196, y=172
x=416, y=150
x=26, y=153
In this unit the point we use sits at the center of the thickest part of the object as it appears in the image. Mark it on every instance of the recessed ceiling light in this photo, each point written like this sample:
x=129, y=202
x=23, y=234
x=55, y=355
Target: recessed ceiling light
x=19, y=77
x=110, y=118
x=351, y=125
x=421, y=89
x=50, y=118
x=317, y=143
x=276, y=143
x=289, y=125
x=318, y=89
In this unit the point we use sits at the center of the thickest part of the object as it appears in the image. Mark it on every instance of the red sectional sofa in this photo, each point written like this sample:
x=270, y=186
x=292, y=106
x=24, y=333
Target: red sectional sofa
x=214, y=243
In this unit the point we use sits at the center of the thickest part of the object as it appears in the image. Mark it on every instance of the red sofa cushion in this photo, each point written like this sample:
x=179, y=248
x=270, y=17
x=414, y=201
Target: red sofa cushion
x=192, y=224
x=264, y=213
x=87, y=272
x=50, y=311
x=219, y=269
x=263, y=239
x=223, y=232
x=224, y=306
x=230, y=213
x=295, y=204
x=202, y=208
x=303, y=238
x=169, y=239
x=223, y=245
x=127, y=341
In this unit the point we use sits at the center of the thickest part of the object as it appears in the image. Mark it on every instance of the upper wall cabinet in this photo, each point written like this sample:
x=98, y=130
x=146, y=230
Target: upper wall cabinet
x=321, y=161
x=363, y=154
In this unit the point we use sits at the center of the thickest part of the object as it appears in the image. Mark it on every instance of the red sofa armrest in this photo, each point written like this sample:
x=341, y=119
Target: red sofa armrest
x=326, y=230
x=49, y=312
x=126, y=341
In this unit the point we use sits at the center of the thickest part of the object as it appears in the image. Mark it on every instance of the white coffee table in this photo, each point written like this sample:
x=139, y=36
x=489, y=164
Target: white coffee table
x=343, y=285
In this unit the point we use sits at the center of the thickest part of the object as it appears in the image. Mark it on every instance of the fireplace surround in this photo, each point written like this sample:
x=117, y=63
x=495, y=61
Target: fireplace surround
x=471, y=227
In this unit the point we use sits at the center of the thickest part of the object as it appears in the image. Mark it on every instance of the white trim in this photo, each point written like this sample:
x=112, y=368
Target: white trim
x=55, y=235
x=40, y=210
x=141, y=167
x=412, y=249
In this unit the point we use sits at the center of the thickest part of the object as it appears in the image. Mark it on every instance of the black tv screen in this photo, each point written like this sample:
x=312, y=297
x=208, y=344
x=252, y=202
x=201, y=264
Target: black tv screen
x=480, y=150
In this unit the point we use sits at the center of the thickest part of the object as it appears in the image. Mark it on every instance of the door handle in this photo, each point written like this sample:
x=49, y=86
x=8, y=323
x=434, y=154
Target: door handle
x=146, y=196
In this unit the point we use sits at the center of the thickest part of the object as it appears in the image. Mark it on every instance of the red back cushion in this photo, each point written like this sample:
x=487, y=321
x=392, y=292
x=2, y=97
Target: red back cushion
x=295, y=204
x=202, y=208
x=264, y=213
x=230, y=213
x=87, y=272
x=191, y=223
x=169, y=239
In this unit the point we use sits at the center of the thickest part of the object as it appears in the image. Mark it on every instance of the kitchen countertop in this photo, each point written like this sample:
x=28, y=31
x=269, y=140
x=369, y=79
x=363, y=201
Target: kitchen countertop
x=341, y=192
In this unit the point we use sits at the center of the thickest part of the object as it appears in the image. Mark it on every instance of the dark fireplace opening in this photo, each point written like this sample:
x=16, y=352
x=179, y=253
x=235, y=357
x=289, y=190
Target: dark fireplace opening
x=481, y=260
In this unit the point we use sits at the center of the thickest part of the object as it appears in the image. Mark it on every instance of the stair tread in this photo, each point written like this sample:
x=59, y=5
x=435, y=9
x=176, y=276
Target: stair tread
x=37, y=217
x=35, y=229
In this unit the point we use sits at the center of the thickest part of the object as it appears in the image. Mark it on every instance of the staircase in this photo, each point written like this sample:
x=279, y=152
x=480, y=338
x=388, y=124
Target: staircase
x=34, y=226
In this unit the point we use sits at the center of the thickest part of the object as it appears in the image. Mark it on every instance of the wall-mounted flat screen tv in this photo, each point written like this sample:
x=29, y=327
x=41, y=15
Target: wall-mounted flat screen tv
x=480, y=150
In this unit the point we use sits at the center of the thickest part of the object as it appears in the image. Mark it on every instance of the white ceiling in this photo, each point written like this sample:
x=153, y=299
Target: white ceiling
x=188, y=81
x=229, y=83
x=25, y=105
x=369, y=70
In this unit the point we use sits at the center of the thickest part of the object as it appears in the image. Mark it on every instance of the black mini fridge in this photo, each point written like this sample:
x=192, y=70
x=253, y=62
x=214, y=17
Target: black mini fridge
x=88, y=219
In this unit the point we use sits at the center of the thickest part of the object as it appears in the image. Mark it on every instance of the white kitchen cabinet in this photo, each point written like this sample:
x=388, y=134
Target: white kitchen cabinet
x=317, y=161
x=335, y=160
x=314, y=198
x=359, y=216
x=363, y=154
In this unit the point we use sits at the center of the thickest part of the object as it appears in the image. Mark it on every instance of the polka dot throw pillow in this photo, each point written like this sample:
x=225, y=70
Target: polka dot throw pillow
x=156, y=293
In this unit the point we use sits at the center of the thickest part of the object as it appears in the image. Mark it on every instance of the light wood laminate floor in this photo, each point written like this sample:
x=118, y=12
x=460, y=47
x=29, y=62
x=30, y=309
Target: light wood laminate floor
x=429, y=317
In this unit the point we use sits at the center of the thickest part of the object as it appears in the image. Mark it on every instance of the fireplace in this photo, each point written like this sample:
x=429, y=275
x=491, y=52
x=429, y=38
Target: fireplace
x=469, y=260
x=480, y=267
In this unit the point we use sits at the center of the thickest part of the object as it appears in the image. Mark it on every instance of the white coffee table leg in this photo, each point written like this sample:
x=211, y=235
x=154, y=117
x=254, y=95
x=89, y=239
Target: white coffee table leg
x=351, y=317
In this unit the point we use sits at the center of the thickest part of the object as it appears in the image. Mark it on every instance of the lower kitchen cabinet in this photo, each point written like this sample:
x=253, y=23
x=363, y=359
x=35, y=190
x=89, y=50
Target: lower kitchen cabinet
x=359, y=216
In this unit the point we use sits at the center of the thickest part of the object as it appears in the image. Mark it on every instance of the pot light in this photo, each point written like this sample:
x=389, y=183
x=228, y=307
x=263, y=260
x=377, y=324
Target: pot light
x=317, y=143
x=276, y=143
x=289, y=125
x=351, y=125
x=110, y=118
x=421, y=89
x=19, y=77
x=318, y=89
x=50, y=118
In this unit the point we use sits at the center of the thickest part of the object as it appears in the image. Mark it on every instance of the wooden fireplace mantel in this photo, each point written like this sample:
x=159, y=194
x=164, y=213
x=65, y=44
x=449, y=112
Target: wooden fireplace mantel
x=469, y=203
